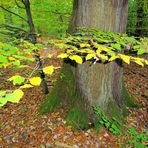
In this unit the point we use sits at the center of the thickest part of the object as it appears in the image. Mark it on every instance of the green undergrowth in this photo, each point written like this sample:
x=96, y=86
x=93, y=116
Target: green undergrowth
x=64, y=92
x=114, y=118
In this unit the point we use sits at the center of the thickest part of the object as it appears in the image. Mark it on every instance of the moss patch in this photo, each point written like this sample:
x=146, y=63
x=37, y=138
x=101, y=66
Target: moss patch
x=65, y=91
x=129, y=100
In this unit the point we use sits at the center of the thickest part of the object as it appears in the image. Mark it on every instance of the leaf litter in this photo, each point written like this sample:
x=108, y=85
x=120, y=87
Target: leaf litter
x=21, y=126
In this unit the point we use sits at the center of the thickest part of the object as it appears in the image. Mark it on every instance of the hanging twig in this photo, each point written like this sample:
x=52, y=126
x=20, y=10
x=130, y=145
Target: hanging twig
x=18, y=5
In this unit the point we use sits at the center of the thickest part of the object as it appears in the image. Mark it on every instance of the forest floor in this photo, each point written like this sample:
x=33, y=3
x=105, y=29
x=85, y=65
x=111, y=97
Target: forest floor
x=21, y=125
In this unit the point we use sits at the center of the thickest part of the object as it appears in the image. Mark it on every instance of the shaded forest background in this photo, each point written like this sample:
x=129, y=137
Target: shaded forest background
x=51, y=18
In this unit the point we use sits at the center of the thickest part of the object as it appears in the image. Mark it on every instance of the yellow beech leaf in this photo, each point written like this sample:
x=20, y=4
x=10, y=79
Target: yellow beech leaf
x=48, y=70
x=90, y=56
x=50, y=56
x=35, y=80
x=139, y=63
x=125, y=58
x=113, y=58
x=69, y=51
x=76, y=58
x=26, y=86
x=146, y=62
x=84, y=45
x=14, y=77
x=63, y=55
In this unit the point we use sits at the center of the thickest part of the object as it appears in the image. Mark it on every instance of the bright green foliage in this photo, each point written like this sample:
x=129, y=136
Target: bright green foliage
x=13, y=56
x=135, y=139
x=20, y=57
x=17, y=80
x=99, y=46
x=113, y=125
x=86, y=44
x=134, y=5
x=51, y=18
x=13, y=97
x=138, y=139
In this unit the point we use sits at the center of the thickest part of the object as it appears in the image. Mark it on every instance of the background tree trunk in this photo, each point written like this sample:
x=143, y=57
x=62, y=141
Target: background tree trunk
x=140, y=18
x=29, y=20
x=100, y=84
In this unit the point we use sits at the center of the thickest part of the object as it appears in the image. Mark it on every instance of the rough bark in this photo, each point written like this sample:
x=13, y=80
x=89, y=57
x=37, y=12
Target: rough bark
x=30, y=20
x=100, y=84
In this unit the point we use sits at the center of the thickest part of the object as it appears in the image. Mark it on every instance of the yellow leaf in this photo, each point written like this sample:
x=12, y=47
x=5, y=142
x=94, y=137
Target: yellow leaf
x=139, y=63
x=26, y=86
x=50, y=56
x=15, y=96
x=146, y=62
x=8, y=64
x=113, y=58
x=11, y=58
x=48, y=70
x=84, y=45
x=69, y=51
x=76, y=58
x=35, y=80
x=90, y=56
x=125, y=58
x=14, y=77
x=63, y=55
x=2, y=92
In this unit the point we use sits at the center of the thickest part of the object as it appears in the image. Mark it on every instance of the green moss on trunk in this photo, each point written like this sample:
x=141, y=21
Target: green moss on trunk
x=129, y=100
x=63, y=92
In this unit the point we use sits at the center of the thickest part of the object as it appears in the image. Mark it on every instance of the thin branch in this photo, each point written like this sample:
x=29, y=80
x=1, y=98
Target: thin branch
x=13, y=13
x=18, y=5
x=9, y=27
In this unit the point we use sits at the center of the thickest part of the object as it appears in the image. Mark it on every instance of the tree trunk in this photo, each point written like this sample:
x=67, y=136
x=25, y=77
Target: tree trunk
x=100, y=84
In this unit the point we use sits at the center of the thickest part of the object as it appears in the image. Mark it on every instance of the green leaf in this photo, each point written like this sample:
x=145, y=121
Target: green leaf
x=90, y=56
x=2, y=92
x=76, y=58
x=107, y=124
x=103, y=57
x=15, y=96
x=3, y=101
x=3, y=59
x=116, y=46
x=18, y=80
x=17, y=63
x=141, y=51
